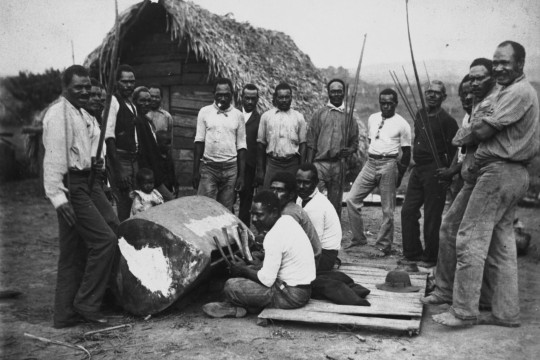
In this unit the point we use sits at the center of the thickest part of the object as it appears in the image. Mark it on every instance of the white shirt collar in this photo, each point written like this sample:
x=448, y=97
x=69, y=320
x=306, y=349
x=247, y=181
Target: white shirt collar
x=340, y=108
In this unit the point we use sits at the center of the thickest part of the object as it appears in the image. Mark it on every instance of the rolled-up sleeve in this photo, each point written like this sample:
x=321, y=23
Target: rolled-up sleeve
x=241, y=133
x=261, y=134
x=302, y=129
x=353, y=140
x=313, y=131
x=272, y=262
x=200, y=135
x=111, y=118
x=55, y=161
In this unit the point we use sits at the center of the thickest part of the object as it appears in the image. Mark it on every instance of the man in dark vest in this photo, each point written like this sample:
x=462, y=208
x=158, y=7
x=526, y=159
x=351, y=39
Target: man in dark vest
x=121, y=140
x=250, y=97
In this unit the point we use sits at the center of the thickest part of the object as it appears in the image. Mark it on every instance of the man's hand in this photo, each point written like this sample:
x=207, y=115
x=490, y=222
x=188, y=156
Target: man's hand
x=97, y=165
x=346, y=152
x=259, y=178
x=444, y=173
x=402, y=169
x=239, y=186
x=196, y=180
x=237, y=269
x=67, y=213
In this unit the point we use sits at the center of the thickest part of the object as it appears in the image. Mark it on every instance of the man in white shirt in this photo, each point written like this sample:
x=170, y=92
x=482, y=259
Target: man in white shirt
x=322, y=214
x=86, y=220
x=388, y=133
x=220, y=145
x=121, y=140
x=284, y=281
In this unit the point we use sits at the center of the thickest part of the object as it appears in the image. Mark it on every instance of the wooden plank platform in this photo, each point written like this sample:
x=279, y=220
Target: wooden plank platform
x=388, y=310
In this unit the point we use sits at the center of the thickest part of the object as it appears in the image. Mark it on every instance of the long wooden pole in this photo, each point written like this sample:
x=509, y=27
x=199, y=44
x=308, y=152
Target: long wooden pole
x=110, y=85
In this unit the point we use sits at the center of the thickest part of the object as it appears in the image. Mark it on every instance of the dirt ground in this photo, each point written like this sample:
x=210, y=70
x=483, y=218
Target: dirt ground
x=28, y=255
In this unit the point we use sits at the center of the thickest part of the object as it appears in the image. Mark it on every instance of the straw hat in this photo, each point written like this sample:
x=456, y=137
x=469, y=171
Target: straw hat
x=398, y=281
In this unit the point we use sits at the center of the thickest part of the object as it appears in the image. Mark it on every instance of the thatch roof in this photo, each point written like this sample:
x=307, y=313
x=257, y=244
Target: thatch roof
x=232, y=49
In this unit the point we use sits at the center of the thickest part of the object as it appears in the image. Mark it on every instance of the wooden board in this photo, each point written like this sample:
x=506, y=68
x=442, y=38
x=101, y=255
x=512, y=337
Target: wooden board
x=388, y=310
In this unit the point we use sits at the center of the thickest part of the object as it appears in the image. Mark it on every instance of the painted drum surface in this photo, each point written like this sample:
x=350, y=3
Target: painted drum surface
x=167, y=250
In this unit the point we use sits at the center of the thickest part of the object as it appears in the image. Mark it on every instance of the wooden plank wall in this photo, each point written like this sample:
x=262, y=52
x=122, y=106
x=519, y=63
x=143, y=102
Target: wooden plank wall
x=184, y=86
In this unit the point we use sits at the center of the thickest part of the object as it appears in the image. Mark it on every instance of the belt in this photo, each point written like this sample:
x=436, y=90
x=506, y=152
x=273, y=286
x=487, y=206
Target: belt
x=380, y=157
x=78, y=172
x=283, y=158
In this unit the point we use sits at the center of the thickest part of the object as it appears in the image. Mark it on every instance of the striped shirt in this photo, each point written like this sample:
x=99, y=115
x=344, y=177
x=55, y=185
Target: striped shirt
x=282, y=132
x=516, y=117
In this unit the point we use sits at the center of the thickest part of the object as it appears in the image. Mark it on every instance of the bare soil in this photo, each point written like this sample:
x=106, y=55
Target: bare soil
x=28, y=256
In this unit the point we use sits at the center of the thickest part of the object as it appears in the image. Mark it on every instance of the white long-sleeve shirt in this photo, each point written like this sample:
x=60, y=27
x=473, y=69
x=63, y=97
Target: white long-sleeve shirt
x=73, y=150
x=288, y=255
x=324, y=218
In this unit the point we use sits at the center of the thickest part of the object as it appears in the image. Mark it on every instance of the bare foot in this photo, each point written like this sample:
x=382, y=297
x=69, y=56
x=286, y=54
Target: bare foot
x=433, y=300
x=489, y=319
x=447, y=319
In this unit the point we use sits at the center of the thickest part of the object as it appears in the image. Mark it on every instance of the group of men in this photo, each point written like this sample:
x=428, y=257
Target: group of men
x=237, y=150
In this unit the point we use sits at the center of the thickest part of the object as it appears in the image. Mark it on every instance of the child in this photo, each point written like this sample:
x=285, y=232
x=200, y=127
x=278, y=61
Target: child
x=146, y=197
x=164, y=145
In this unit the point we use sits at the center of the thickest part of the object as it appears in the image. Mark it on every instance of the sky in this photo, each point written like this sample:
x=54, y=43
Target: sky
x=37, y=34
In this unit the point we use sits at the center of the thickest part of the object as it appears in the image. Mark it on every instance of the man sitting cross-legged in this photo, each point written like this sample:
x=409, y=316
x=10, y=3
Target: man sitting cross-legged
x=284, y=281
x=283, y=184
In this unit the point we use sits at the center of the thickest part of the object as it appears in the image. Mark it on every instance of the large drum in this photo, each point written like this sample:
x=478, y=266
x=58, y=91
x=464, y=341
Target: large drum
x=167, y=250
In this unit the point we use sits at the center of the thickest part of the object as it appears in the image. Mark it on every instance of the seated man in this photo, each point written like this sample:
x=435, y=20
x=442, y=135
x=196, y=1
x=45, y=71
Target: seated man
x=283, y=184
x=322, y=214
x=284, y=281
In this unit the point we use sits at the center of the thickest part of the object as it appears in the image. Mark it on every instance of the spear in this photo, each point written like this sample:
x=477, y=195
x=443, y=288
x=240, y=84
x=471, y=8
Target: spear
x=422, y=113
x=349, y=112
x=108, y=99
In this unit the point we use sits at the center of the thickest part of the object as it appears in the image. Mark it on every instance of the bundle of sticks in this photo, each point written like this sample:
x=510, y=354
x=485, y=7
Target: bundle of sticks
x=242, y=242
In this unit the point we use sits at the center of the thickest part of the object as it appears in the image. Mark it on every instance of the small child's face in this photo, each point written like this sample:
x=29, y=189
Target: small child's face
x=147, y=184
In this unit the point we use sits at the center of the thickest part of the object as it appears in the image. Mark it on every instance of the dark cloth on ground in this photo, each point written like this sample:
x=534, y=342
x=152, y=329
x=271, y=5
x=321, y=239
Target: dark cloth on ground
x=328, y=260
x=338, y=288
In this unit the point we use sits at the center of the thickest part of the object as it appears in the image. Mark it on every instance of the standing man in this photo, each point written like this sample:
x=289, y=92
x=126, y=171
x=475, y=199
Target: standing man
x=425, y=186
x=250, y=98
x=86, y=221
x=388, y=133
x=284, y=186
x=95, y=105
x=322, y=214
x=121, y=140
x=326, y=143
x=508, y=139
x=159, y=117
x=220, y=144
x=281, y=138
x=149, y=153
x=482, y=86
x=284, y=281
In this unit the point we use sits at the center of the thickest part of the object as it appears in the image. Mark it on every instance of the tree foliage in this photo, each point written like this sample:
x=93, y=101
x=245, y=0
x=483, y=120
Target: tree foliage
x=28, y=93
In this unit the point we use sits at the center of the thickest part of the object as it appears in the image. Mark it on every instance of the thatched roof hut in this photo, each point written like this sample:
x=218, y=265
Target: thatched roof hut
x=183, y=47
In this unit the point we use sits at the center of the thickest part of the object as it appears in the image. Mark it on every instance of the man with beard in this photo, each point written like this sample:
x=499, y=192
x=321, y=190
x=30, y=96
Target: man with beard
x=284, y=186
x=508, y=138
x=322, y=214
x=281, y=138
x=388, y=133
x=95, y=103
x=250, y=98
x=220, y=145
x=326, y=143
x=284, y=281
x=149, y=154
x=121, y=140
x=425, y=186
x=86, y=221
x=482, y=84
x=159, y=117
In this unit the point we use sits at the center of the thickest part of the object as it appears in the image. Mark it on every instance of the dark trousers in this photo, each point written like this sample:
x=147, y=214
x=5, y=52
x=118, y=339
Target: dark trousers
x=87, y=251
x=130, y=167
x=273, y=166
x=328, y=260
x=423, y=189
x=246, y=195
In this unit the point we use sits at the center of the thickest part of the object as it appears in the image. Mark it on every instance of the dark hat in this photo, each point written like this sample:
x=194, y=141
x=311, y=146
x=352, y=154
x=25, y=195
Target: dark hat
x=398, y=281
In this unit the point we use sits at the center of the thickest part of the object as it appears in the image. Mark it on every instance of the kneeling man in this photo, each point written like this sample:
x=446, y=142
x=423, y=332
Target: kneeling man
x=284, y=281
